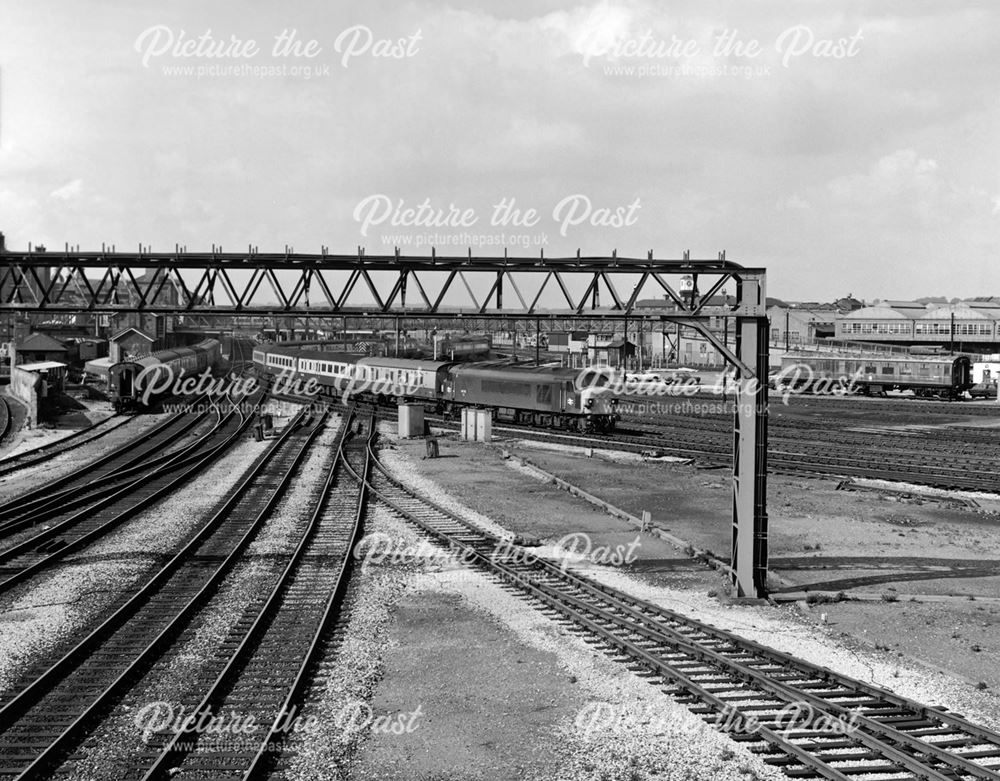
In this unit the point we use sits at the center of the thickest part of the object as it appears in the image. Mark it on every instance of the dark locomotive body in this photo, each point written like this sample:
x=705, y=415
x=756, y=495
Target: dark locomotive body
x=541, y=396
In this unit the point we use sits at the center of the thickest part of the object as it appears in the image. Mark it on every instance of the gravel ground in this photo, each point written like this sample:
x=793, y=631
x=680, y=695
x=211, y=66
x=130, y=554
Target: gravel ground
x=988, y=502
x=40, y=617
x=626, y=728
x=617, y=456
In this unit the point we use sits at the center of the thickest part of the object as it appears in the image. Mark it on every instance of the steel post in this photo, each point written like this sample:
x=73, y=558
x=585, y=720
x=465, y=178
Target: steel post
x=749, y=559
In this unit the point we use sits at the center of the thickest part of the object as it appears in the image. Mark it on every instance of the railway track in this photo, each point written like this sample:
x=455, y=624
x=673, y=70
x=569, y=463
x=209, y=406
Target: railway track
x=6, y=419
x=805, y=720
x=266, y=676
x=150, y=445
x=68, y=529
x=47, y=714
x=837, y=404
x=44, y=452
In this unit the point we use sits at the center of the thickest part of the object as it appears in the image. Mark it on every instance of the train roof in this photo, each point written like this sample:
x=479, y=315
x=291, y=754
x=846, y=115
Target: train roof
x=142, y=363
x=403, y=363
x=175, y=352
x=325, y=355
x=296, y=344
x=806, y=357
x=499, y=370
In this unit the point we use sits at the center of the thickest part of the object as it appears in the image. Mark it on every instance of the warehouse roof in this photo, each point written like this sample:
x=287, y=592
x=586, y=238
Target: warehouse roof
x=882, y=312
x=962, y=311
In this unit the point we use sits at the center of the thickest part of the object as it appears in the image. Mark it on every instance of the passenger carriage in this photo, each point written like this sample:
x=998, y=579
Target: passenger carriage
x=131, y=379
x=868, y=375
x=401, y=378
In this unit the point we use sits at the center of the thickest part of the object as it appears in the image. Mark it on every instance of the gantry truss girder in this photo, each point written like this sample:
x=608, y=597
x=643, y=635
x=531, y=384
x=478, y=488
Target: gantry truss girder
x=293, y=283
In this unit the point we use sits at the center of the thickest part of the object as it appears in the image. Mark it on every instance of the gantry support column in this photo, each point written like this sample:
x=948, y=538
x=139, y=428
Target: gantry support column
x=750, y=461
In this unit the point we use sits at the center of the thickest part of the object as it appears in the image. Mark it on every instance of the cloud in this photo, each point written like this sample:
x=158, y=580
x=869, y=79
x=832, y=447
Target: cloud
x=589, y=30
x=793, y=202
x=903, y=185
x=69, y=191
x=901, y=171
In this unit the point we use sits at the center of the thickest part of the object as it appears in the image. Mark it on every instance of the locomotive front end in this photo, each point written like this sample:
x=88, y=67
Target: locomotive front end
x=598, y=397
x=600, y=406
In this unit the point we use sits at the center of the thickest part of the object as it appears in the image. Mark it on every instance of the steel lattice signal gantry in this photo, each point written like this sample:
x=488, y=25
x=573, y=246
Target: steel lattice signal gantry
x=221, y=283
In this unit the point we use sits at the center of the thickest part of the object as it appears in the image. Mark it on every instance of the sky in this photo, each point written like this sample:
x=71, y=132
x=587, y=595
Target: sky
x=847, y=147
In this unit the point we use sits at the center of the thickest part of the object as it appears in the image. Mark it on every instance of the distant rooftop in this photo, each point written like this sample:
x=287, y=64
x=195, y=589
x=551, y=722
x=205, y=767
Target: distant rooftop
x=40, y=343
